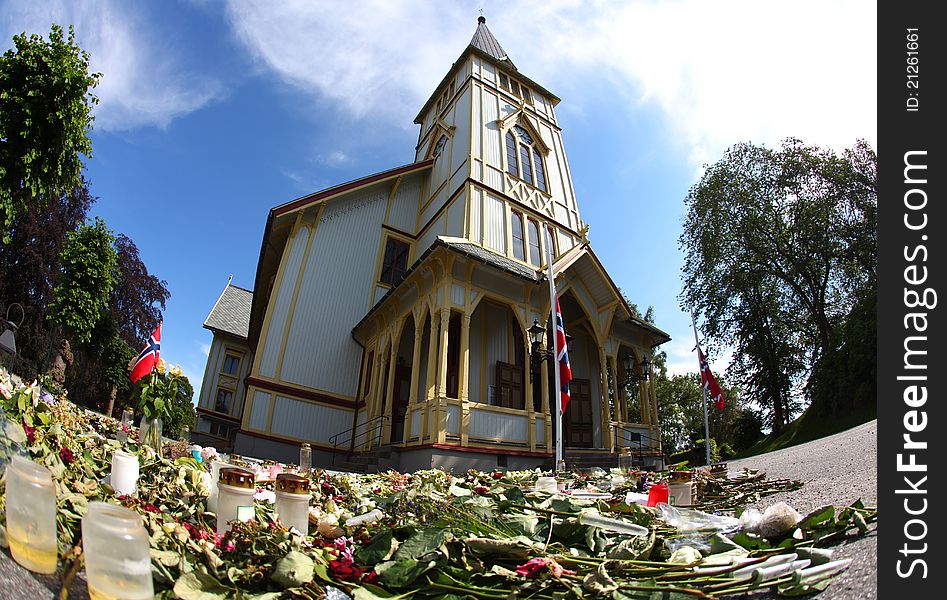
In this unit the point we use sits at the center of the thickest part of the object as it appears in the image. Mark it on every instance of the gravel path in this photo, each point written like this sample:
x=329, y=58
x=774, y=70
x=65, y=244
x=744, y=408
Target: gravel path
x=838, y=469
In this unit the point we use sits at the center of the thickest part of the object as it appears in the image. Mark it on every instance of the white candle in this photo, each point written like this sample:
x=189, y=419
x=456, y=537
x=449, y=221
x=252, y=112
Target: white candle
x=124, y=476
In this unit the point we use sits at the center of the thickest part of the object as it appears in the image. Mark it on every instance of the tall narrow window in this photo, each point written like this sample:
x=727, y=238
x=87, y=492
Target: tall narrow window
x=511, y=165
x=550, y=242
x=519, y=250
x=523, y=157
x=527, y=170
x=535, y=254
x=540, y=173
x=395, y=261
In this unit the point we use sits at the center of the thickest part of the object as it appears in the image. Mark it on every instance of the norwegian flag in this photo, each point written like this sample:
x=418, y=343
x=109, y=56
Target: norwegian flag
x=148, y=357
x=707, y=379
x=565, y=371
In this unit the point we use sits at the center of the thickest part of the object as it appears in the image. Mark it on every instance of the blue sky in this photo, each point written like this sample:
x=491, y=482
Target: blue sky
x=212, y=112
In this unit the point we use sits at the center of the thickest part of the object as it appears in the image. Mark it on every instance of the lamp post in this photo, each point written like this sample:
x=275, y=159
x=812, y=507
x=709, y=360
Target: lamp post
x=538, y=352
x=628, y=361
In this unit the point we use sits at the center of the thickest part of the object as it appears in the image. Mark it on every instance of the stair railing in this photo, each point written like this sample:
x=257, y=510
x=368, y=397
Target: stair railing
x=372, y=435
x=634, y=437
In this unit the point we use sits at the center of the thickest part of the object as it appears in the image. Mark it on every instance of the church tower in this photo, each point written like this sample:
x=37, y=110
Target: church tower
x=494, y=137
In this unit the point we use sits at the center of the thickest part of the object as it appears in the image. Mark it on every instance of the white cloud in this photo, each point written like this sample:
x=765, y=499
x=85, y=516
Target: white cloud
x=205, y=349
x=721, y=72
x=144, y=81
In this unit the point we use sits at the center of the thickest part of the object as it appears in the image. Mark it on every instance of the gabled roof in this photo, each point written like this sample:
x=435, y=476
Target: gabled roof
x=484, y=41
x=231, y=312
x=492, y=259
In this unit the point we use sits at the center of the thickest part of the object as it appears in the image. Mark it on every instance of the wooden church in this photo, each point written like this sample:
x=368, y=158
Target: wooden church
x=390, y=314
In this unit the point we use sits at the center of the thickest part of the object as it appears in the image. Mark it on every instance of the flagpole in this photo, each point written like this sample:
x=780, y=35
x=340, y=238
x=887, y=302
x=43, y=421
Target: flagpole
x=557, y=393
x=703, y=392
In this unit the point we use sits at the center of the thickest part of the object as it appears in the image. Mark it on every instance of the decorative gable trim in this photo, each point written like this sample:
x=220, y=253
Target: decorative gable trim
x=523, y=119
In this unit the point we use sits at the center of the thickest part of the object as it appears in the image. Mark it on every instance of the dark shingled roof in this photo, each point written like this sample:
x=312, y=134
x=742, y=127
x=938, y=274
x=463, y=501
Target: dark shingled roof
x=497, y=261
x=484, y=41
x=231, y=313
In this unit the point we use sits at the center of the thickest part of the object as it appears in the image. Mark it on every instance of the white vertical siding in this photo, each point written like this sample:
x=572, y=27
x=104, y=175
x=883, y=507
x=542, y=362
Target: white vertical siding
x=343, y=253
x=488, y=425
x=433, y=206
x=476, y=195
x=477, y=123
x=260, y=410
x=416, y=423
x=404, y=206
x=492, y=148
x=283, y=298
x=455, y=216
x=211, y=370
x=457, y=294
x=436, y=229
x=540, y=431
x=497, y=339
x=564, y=241
x=308, y=421
x=489, y=73
x=460, y=147
x=453, y=419
x=494, y=224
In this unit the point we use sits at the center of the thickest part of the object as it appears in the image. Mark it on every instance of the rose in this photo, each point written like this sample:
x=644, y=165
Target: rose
x=66, y=455
x=536, y=566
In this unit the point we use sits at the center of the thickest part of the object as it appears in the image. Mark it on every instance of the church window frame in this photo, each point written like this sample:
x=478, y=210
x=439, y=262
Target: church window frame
x=394, y=261
x=524, y=159
x=535, y=247
x=518, y=235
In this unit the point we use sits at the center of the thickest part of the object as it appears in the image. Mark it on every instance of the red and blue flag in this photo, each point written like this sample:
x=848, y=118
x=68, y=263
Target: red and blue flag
x=148, y=357
x=562, y=356
x=710, y=384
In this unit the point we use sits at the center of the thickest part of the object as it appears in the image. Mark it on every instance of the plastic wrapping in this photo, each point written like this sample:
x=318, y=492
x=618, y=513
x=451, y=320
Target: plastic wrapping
x=777, y=520
x=687, y=519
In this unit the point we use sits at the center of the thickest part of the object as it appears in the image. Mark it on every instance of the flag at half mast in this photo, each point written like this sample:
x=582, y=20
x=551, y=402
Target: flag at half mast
x=707, y=380
x=565, y=371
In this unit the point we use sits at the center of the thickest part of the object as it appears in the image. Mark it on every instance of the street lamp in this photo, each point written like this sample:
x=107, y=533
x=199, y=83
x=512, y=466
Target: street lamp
x=628, y=362
x=538, y=353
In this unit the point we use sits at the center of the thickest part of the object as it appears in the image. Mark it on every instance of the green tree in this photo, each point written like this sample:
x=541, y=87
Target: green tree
x=45, y=118
x=88, y=274
x=779, y=245
x=181, y=411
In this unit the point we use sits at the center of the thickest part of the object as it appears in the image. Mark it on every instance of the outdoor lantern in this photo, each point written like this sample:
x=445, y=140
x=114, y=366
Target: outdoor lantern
x=8, y=338
x=536, y=332
x=628, y=362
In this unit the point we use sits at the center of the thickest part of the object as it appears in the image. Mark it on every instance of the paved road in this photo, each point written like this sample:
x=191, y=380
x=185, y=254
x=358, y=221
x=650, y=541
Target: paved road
x=838, y=470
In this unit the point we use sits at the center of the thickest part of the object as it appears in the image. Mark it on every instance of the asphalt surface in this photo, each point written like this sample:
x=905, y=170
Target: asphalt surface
x=836, y=470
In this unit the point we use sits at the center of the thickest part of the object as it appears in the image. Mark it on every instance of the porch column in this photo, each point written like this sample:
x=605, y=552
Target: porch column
x=389, y=392
x=415, y=375
x=463, y=390
x=548, y=414
x=441, y=399
x=429, y=384
x=604, y=408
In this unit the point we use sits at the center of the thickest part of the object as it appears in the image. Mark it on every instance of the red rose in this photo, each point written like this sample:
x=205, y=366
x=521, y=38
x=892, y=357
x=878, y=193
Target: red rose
x=481, y=490
x=66, y=455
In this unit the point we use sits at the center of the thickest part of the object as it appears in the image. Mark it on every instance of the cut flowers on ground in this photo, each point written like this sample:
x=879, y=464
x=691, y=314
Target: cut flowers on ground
x=428, y=534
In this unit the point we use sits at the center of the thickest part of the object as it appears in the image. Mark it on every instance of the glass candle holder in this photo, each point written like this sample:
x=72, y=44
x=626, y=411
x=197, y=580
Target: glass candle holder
x=117, y=553
x=215, y=468
x=128, y=416
x=31, y=515
x=305, y=458
x=292, y=501
x=124, y=477
x=235, y=490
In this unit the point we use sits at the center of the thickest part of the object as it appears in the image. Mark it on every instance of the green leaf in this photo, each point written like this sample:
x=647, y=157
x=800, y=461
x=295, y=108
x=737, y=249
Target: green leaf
x=293, y=570
x=381, y=547
x=198, y=585
x=816, y=517
x=401, y=573
x=422, y=543
x=368, y=591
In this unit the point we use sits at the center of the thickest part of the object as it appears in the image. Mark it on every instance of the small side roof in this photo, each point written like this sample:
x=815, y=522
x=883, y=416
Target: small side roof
x=231, y=312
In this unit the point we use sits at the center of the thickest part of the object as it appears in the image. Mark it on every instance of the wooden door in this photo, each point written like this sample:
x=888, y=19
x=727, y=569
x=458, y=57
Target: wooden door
x=402, y=394
x=579, y=426
x=509, y=385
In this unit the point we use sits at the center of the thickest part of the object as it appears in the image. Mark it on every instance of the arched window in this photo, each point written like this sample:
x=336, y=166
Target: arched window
x=439, y=147
x=523, y=158
x=535, y=255
x=519, y=249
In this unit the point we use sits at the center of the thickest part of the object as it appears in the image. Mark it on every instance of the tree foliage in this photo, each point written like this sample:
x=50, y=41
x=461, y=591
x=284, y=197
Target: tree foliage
x=88, y=274
x=45, y=118
x=779, y=245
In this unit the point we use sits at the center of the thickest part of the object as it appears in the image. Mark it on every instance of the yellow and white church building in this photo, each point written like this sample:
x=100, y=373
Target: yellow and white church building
x=389, y=314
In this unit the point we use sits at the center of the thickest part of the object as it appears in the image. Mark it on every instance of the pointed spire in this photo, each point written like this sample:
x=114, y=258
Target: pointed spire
x=484, y=41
